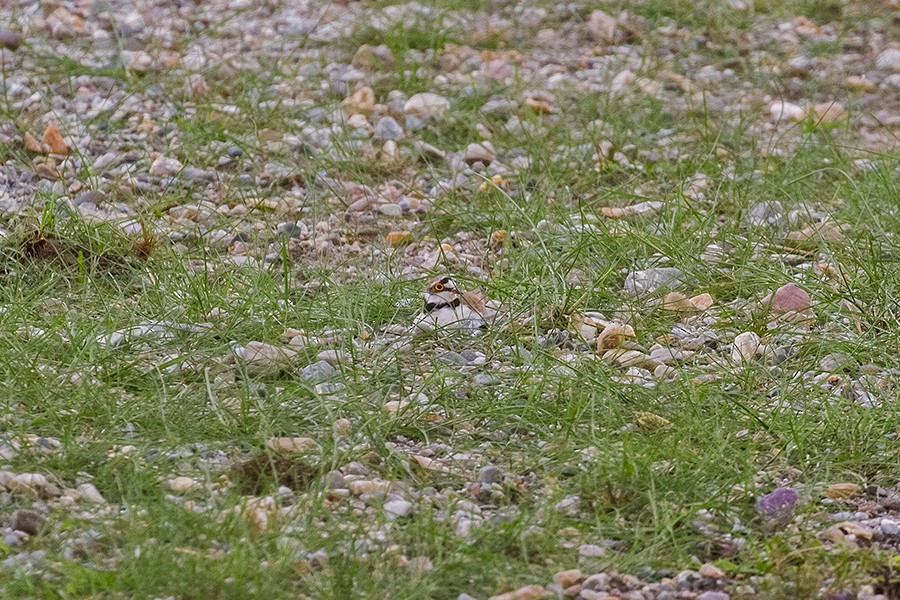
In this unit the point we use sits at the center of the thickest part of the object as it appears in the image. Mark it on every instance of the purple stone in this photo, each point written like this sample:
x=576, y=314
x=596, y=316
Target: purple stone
x=778, y=506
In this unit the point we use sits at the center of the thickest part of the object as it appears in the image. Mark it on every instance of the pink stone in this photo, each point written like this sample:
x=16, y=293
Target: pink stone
x=496, y=69
x=602, y=26
x=790, y=298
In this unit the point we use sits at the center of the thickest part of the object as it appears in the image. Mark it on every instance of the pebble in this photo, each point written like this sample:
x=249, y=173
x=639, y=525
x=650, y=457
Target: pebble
x=528, y=592
x=474, y=357
x=427, y=105
x=296, y=230
x=165, y=166
x=496, y=69
x=361, y=101
x=387, y=128
x=764, y=214
x=602, y=26
x=613, y=336
x=482, y=152
x=333, y=357
x=570, y=505
x=195, y=174
x=597, y=582
x=843, y=490
x=182, y=484
x=669, y=355
x=712, y=595
x=888, y=60
x=745, y=347
x=591, y=551
x=398, y=508
x=391, y=210
x=26, y=520
x=452, y=358
x=395, y=407
x=89, y=493
x=291, y=444
x=414, y=123
x=9, y=39
x=398, y=238
x=366, y=486
x=622, y=80
x=374, y=57
x=889, y=527
x=32, y=484
x=829, y=112
x=499, y=106
x=483, y=379
x=650, y=280
x=261, y=357
x=568, y=578
x=490, y=475
x=329, y=388
x=787, y=111
x=790, y=298
x=836, y=362
x=95, y=197
x=712, y=571
x=359, y=205
x=778, y=505
x=646, y=209
x=318, y=371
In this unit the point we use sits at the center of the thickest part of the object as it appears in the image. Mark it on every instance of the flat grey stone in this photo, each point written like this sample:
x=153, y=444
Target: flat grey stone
x=398, y=508
x=484, y=379
x=835, y=362
x=889, y=527
x=329, y=388
x=334, y=480
x=318, y=371
x=387, y=128
x=473, y=356
x=195, y=174
x=712, y=595
x=652, y=279
x=764, y=214
x=390, y=210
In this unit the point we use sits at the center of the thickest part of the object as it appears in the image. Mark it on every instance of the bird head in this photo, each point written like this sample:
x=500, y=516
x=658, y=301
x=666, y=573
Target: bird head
x=441, y=290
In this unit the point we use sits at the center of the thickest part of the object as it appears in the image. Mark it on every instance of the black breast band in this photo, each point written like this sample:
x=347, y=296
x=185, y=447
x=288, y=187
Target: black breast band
x=432, y=306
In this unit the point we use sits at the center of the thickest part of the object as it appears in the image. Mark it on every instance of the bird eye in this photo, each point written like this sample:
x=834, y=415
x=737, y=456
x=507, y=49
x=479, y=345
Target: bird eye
x=439, y=287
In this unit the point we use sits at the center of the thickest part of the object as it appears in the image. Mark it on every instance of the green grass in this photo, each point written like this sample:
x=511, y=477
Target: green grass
x=555, y=427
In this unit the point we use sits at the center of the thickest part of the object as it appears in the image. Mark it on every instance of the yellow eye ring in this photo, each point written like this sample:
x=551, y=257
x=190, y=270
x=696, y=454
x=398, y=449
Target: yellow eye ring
x=439, y=287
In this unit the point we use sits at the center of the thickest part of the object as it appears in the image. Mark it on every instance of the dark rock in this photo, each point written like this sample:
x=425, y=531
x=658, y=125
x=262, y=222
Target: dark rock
x=90, y=196
x=9, y=39
x=26, y=520
x=778, y=506
x=490, y=474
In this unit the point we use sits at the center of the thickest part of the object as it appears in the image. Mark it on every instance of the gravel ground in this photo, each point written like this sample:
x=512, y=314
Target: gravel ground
x=670, y=209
